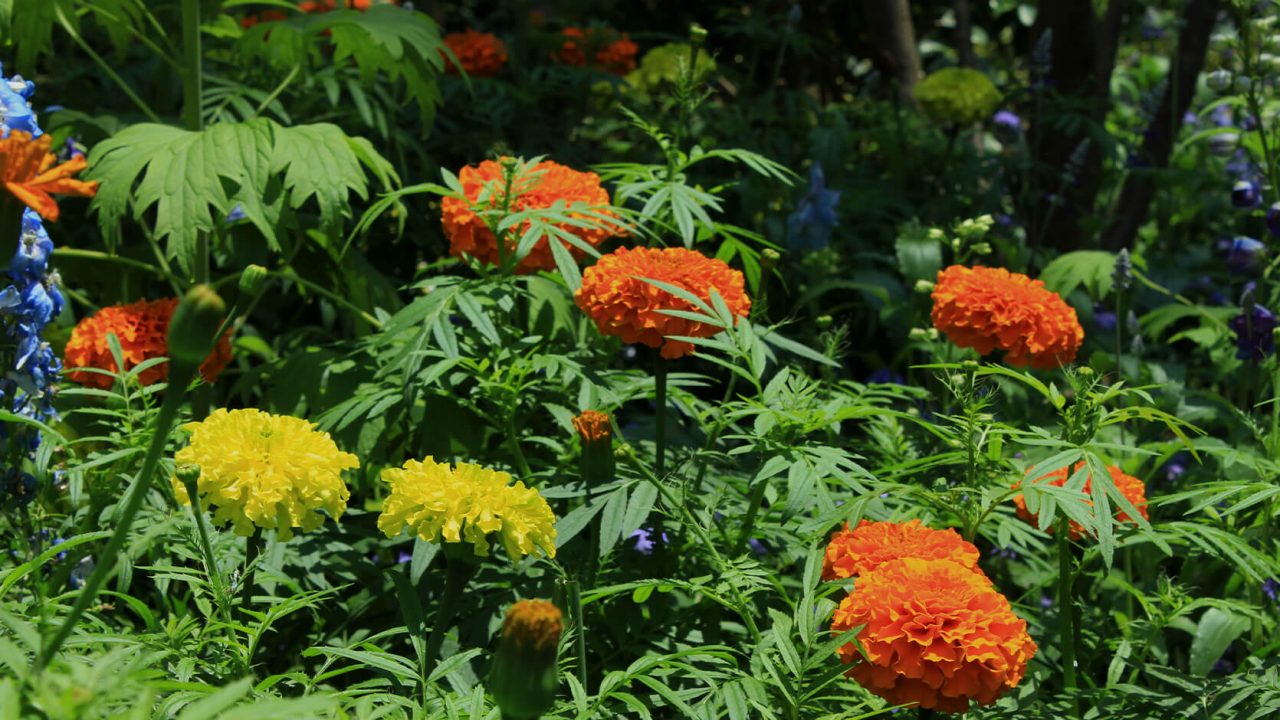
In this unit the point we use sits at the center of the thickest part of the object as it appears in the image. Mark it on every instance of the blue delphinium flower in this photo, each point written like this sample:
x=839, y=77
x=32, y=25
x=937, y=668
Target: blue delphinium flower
x=1273, y=220
x=1176, y=467
x=646, y=539
x=1008, y=119
x=758, y=547
x=1254, y=328
x=1245, y=256
x=1104, y=318
x=1271, y=588
x=810, y=226
x=15, y=108
x=1246, y=194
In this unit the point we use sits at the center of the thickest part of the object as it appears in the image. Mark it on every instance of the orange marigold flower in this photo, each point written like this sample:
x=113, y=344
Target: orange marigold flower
x=533, y=624
x=622, y=304
x=989, y=308
x=593, y=426
x=1129, y=486
x=141, y=328
x=480, y=54
x=852, y=553
x=542, y=186
x=936, y=633
x=28, y=171
x=609, y=50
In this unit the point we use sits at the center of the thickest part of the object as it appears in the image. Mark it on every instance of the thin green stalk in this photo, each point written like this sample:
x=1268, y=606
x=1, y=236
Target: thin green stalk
x=206, y=547
x=193, y=73
x=180, y=374
x=664, y=492
x=457, y=574
x=107, y=257
x=513, y=441
x=580, y=630
x=749, y=523
x=660, y=419
x=104, y=66
x=252, y=549
x=1066, y=616
x=262, y=106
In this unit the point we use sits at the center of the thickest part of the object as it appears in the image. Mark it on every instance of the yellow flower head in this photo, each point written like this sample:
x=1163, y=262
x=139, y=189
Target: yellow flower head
x=465, y=504
x=264, y=470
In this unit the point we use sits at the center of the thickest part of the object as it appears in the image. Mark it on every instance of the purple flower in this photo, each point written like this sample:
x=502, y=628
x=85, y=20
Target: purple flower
x=1246, y=195
x=81, y=573
x=1245, y=256
x=645, y=540
x=1176, y=467
x=1046, y=602
x=1254, y=328
x=1271, y=588
x=1273, y=220
x=810, y=226
x=1105, y=319
x=403, y=556
x=758, y=546
x=885, y=376
x=236, y=214
x=1008, y=120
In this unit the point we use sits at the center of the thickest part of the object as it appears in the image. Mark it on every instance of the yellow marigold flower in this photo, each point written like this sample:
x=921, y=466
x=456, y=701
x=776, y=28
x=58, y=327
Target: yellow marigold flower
x=962, y=96
x=465, y=504
x=267, y=471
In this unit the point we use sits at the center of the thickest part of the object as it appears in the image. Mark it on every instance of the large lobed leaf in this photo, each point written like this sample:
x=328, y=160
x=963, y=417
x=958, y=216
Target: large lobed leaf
x=385, y=39
x=189, y=178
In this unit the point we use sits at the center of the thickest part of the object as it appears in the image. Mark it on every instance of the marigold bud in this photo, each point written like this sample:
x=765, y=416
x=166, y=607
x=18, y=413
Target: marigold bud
x=593, y=426
x=524, y=675
x=924, y=286
x=187, y=473
x=252, y=279
x=195, y=323
x=697, y=34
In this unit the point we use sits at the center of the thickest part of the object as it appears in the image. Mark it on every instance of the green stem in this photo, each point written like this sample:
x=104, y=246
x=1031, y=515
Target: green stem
x=580, y=631
x=660, y=418
x=513, y=441
x=749, y=523
x=193, y=75
x=262, y=106
x=252, y=549
x=457, y=574
x=664, y=492
x=180, y=375
x=104, y=66
x=206, y=547
x=1066, y=616
x=107, y=257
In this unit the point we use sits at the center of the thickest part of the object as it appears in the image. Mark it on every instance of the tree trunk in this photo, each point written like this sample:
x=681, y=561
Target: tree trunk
x=964, y=34
x=1068, y=167
x=1184, y=69
x=894, y=37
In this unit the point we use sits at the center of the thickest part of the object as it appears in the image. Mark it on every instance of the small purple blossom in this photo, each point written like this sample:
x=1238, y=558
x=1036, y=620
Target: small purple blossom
x=1008, y=120
x=1246, y=194
x=1046, y=602
x=758, y=547
x=810, y=226
x=645, y=542
x=1271, y=588
x=1254, y=328
x=1245, y=256
x=1273, y=220
x=1104, y=318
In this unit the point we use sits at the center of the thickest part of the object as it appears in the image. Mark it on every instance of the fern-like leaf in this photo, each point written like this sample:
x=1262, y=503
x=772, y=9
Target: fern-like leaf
x=189, y=178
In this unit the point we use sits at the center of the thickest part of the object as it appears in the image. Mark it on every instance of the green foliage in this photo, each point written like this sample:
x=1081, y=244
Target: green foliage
x=192, y=180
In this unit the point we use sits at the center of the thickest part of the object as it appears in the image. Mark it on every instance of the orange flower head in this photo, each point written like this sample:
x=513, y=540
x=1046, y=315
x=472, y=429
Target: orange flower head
x=615, y=295
x=609, y=50
x=141, y=328
x=480, y=54
x=991, y=308
x=593, y=426
x=28, y=171
x=852, y=553
x=936, y=633
x=534, y=625
x=1129, y=486
x=542, y=187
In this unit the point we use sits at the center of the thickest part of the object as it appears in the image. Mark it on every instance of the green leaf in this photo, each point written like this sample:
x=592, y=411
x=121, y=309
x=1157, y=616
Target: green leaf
x=1088, y=268
x=919, y=258
x=1216, y=630
x=191, y=180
